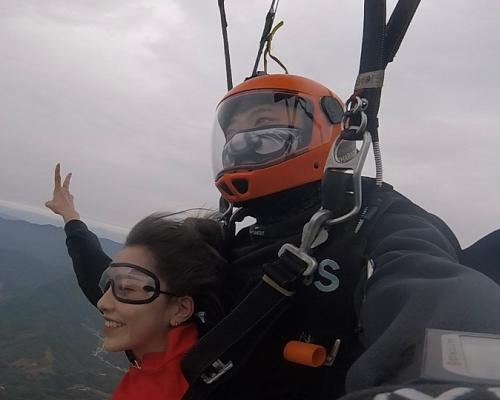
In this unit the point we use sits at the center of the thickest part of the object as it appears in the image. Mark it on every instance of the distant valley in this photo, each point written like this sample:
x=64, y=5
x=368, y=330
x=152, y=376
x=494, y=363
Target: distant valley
x=49, y=333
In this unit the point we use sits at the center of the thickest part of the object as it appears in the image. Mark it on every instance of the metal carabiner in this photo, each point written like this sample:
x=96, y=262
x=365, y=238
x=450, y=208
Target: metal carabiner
x=323, y=217
x=354, y=132
x=361, y=105
x=355, y=165
x=351, y=107
x=309, y=234
x=312, y=228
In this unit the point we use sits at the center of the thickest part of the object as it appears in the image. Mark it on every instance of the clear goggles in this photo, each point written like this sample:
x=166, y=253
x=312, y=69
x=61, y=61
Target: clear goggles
x=131, y=283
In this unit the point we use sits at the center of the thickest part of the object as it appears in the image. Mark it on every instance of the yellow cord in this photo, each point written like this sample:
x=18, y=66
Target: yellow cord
x=268, y=49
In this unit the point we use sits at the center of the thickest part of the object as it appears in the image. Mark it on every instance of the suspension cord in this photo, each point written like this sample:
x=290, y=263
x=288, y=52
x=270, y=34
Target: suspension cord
x=227, y=57
x=265, y=33
x=267, y=52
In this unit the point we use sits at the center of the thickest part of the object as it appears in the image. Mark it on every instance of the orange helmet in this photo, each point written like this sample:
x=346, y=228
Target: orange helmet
x=273, y=133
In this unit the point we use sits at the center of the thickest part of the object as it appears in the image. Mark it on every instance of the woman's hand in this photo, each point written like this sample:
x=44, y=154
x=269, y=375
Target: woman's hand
x=62, y=201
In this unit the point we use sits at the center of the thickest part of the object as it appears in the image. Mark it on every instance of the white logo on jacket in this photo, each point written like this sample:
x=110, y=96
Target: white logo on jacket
x=326, y=281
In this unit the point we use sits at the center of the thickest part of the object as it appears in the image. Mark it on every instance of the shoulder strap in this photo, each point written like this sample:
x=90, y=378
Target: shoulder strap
x=222, y=352
x=378, y=201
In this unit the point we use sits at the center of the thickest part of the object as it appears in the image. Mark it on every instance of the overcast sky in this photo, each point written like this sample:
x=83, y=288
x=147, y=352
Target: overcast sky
x=123, y=93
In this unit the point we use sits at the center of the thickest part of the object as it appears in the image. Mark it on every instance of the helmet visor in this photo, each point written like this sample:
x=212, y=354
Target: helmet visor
x=257, y=129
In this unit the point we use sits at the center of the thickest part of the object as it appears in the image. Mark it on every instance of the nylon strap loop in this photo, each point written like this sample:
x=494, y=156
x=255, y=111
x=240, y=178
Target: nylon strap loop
x=370, y=80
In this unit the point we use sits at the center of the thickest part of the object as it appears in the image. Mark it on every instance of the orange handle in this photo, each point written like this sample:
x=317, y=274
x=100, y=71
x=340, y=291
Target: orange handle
x=310, y=355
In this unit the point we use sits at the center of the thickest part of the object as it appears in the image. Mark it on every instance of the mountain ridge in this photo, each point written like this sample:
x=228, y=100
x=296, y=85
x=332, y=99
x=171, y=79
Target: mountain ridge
x=50, y=346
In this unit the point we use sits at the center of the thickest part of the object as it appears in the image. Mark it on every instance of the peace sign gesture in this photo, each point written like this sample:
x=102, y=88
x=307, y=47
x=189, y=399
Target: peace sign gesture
x=62, y=201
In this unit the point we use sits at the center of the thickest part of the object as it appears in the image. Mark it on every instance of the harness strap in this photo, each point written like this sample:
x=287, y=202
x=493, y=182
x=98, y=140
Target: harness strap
x=223, y=350
x=397, y=26
x=381, y=41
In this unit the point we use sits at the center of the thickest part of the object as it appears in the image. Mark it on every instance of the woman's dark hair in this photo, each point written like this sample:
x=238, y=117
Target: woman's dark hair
x=188, y=256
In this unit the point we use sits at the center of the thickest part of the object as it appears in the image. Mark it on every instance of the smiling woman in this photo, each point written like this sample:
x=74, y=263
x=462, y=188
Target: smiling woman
x=164, y=274
x=159, y=290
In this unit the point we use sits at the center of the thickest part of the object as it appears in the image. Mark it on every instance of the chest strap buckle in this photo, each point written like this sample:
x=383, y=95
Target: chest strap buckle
x=220, y=368
x=309, y=261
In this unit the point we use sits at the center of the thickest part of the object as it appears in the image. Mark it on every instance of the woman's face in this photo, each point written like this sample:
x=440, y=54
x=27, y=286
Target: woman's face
x=141, y=328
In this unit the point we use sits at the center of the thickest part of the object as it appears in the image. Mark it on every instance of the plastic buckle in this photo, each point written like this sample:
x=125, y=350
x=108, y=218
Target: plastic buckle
x=306, y=258
x=220, y=369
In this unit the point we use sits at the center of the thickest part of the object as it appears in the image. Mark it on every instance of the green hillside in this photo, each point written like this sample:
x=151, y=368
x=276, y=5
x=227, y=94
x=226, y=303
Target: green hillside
x=49, y=344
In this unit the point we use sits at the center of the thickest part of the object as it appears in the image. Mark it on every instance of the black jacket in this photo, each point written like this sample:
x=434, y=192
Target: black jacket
x=417, y=283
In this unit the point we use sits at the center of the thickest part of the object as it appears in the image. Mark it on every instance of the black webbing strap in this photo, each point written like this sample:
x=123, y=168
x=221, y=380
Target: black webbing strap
x=335, y=188
x=224, y=349
x=397, y=26
x=380, y=44
x=371, y=66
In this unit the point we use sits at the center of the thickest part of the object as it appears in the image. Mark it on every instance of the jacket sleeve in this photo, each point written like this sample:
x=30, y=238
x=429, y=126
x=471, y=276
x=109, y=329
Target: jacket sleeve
x=417, y=283
x=89, y=259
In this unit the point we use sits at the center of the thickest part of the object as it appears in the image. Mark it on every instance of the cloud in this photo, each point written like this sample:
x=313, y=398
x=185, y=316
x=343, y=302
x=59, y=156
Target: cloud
x=123, y=94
